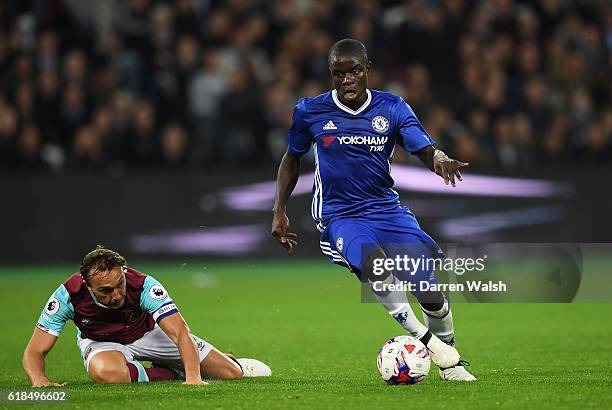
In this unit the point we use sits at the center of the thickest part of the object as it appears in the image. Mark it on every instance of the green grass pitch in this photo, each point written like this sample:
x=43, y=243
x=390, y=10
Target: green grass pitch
x=305, y=319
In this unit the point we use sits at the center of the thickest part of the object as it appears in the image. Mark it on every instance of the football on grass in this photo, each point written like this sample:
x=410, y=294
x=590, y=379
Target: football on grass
x=403, y=360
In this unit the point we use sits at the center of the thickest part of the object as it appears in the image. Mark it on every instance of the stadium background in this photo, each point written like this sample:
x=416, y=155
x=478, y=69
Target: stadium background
x=156, y=127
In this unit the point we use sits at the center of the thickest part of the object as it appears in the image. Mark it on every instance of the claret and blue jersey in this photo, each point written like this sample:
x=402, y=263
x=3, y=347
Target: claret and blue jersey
x=353, y=150
x=146, y=303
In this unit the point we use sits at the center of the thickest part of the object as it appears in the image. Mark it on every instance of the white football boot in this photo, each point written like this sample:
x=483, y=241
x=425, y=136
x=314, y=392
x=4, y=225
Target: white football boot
x=443, y=355
x=254, y=368
x=457, y=373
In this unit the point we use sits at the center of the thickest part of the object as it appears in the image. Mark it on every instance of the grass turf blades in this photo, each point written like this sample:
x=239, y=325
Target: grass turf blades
x=305, y=319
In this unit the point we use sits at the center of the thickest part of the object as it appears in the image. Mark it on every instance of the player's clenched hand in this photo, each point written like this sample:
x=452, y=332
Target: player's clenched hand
x=448, y=168
x=280, y=226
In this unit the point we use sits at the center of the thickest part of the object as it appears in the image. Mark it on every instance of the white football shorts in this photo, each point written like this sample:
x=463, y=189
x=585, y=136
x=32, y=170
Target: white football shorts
x=154, y=346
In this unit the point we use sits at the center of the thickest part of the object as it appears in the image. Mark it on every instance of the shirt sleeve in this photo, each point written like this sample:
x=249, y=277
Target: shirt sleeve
x=155, y=300
x=412, y=135
x=56, y=312
x=299, y=135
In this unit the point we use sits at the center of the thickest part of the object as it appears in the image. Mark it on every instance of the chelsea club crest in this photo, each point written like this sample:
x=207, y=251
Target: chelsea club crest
x=380, y=124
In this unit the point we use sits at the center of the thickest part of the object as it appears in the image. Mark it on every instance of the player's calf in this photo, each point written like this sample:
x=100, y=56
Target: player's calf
x=395, y=302
x=217, y=365
x=437, y=315
x=229, y=373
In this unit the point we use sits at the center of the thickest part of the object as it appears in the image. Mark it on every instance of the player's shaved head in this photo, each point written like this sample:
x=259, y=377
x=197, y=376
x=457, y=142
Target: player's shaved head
x=349, y=69
x=346, y=49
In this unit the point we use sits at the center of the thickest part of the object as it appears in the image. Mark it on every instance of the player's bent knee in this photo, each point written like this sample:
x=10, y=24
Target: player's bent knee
x=371, y=262
x=110, y=374
x=107, y=371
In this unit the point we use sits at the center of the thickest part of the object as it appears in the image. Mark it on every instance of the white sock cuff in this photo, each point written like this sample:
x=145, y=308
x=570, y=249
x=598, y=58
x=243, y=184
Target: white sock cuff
x=142, y=374
x=420, y=333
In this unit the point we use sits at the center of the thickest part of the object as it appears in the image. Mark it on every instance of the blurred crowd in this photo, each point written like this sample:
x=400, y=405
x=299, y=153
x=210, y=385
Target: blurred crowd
x=125, y=84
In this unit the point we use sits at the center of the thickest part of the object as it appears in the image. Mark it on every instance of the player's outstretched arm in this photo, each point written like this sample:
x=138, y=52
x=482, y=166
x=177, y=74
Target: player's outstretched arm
x=288, y=174
x=176, y=329
x=39, y=346
x=438, y=162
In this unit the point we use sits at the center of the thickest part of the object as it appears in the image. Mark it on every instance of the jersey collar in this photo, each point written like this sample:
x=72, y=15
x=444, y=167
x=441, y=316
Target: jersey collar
x=347, y=109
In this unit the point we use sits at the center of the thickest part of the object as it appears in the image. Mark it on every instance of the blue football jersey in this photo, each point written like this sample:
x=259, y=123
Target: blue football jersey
x=353, y=150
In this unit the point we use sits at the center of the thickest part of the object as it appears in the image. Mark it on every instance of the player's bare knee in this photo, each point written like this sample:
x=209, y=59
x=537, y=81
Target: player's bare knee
x=109, y=376
x=109, y=373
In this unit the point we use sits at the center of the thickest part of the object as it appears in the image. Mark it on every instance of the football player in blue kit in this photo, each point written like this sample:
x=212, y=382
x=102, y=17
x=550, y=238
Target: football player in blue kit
x=353, y=132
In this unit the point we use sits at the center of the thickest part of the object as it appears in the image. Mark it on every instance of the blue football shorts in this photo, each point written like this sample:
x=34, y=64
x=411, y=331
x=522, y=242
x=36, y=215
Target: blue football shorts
x=349, y=241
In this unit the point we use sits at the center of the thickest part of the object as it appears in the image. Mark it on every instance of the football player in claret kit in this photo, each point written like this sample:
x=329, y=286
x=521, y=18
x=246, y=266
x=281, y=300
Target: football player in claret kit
x=124, y=316
x=353, y=132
